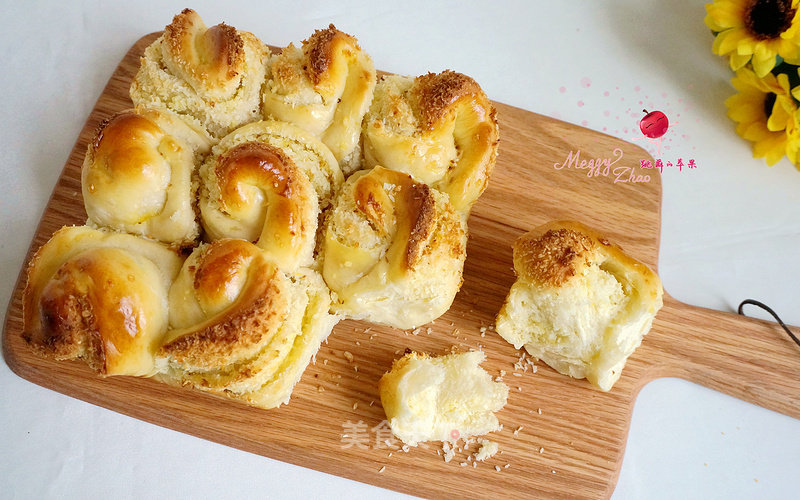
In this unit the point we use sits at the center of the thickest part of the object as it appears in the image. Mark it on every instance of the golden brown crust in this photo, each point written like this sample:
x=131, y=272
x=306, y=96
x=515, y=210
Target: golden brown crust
x=423, y=211
x=441, y=128
x=99, y=297
x=255, y=191
x=413, y=207
x=222, y=47
x=554, y=257
x=320, y=49
x=74, y=309
x=553, y=253
x=68, y=330
x=254, y=161
x=137, y=175
x=249, y=321
x=120, y=143
x=435, y=94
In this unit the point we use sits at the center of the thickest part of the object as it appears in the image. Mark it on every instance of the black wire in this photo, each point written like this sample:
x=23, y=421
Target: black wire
x=774, y=315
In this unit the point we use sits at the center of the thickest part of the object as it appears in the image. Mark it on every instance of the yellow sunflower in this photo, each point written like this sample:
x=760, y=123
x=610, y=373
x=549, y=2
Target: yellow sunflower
x=793, y=140
x=765, y=112
x=756, y=31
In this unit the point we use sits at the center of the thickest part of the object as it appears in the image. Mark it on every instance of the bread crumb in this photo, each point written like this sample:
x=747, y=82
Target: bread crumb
x=463, y=464
x=517, y=374
x=324, y=361
x=372, y=402
x=348, y=356
x=497, y=468
x=382, y=469
x=541, y=450
x=516, y=431
x=474, y=465
x=405, y=448
x=448, y=451
x=539, y=410
x=355, y=405
x=506, y=466
x=320, y=388
x=487, y=450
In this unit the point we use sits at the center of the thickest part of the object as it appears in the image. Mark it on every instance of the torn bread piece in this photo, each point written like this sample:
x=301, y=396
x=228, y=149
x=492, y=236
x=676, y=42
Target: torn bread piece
x=580, y=303
x=444, y=398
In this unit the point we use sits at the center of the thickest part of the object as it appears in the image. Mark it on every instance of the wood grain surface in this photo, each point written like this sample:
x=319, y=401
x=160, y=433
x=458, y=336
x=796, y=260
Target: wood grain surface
x=573, y=436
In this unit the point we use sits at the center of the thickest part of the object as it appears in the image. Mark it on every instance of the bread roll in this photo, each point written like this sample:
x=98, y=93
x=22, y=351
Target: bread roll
x=241, y=327
x=137, y=175
x=443, y=398
x=324, y=87
x=580, y=303
x=267, y=183
x=440, y=128
x=393, y=249
x=211, y=74
x=100, y=297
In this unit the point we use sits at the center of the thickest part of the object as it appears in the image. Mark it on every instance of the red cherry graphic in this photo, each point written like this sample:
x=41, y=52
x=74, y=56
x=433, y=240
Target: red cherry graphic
x=654, y=124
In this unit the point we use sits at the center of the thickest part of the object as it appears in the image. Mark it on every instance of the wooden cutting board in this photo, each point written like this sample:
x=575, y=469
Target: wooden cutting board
x=572, y=436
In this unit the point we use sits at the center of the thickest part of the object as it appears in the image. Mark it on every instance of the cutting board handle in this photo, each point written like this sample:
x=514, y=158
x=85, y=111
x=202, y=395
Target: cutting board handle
x=748, y=358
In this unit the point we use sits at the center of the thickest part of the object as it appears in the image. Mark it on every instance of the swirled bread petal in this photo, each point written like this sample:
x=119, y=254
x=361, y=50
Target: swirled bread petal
x=393, y=249
x=267, y=183
x=580, y=303
x=241, y=326
x=440, y=128
x=212, y=74
x=137, y=175
x=100, y=297
x=324, y=87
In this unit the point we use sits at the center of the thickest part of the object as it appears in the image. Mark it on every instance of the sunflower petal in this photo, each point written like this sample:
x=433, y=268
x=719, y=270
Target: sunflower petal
x=727, y=14
x=788, y=49
x=719, y=40
x=771, y=148
x=778, y=118
x=732, y=40
x=754, y=131
x=763, y=62
x=712, y=24
x=737, y=61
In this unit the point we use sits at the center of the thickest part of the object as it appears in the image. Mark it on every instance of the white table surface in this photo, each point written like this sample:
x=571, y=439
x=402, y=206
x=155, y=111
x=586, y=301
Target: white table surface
x=730, y=228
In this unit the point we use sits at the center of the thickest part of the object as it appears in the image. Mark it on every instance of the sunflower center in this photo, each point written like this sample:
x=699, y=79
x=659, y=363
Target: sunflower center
x=769, y=103
x=766, y=19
